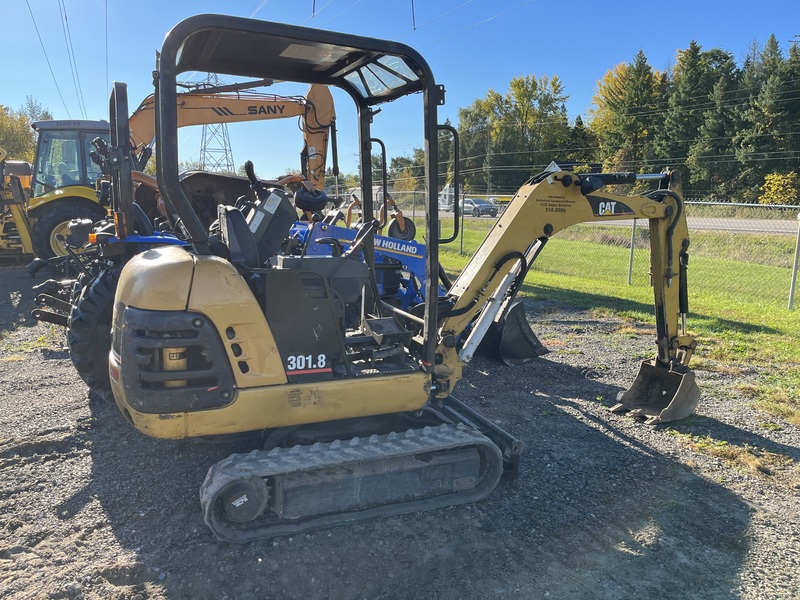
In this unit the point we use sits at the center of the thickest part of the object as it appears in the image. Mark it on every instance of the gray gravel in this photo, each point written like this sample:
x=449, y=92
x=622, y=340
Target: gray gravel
x=604, y=507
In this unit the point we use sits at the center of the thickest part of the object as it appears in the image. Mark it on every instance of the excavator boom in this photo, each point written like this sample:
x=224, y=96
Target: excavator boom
x=484, y=291
x=316, y=111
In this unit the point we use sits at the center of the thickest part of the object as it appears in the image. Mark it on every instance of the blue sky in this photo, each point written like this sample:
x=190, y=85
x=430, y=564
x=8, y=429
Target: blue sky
x=471, y=45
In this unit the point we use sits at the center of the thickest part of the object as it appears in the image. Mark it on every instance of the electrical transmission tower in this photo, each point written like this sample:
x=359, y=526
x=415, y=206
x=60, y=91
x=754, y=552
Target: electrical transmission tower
x=215, y=147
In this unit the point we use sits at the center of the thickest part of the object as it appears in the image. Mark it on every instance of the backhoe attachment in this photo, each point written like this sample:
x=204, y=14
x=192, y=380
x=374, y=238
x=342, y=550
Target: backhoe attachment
x=511, y=339
x=660, y=394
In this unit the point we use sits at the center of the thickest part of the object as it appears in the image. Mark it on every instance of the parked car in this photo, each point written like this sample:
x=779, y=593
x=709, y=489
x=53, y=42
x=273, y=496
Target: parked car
x=478, y=207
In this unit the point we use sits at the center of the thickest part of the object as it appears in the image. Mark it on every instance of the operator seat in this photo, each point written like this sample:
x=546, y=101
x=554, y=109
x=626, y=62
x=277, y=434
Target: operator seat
x=238, y=238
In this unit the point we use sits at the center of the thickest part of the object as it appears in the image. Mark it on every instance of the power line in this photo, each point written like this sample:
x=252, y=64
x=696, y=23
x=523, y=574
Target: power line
x=73, y=64
x=260, y=6
x=47, y=59
x=497, y=16
x=444, y=14
x=105, y=91
x=340, y=13
x=315, y=12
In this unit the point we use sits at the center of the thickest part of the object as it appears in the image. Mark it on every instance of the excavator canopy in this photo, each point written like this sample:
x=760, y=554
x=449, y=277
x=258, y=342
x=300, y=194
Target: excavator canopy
x=237, y=46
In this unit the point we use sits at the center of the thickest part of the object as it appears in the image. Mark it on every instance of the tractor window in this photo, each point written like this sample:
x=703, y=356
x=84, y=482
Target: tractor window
x=57, y=161
x=93, y=170
x=62, y=159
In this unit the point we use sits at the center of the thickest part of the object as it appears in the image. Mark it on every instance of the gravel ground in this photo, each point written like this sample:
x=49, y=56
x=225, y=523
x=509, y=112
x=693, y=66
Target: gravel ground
x=604, y=507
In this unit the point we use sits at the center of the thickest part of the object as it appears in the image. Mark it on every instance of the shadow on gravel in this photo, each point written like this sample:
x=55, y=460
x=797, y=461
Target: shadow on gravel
x=597, y=512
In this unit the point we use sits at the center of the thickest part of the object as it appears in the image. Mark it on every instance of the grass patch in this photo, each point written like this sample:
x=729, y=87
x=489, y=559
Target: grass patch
x=737, y=297
x=51, y=339
x=756, y=460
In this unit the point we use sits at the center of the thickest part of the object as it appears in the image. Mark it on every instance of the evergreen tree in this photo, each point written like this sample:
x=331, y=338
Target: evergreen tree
x=764, y=144
x=712, y=159
x=624, y=115
x=581, y=144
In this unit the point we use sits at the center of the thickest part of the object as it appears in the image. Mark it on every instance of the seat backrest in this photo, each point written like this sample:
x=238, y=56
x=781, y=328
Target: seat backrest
x=237, y=237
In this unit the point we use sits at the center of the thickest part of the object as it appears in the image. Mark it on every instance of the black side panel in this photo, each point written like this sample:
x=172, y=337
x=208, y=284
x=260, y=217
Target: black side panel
x=206, y=382
x=306, y=322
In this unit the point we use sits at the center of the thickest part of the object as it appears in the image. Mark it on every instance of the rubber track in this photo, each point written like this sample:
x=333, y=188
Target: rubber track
x=340, y=454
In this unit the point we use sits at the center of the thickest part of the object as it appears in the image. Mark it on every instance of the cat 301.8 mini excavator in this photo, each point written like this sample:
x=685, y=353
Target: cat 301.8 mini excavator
x=238, y=334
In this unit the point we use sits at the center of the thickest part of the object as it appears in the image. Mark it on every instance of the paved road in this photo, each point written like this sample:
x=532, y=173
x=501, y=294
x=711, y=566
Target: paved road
x=782, y=226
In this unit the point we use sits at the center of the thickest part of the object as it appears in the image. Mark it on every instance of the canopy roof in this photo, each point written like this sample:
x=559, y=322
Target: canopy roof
x=372, y=70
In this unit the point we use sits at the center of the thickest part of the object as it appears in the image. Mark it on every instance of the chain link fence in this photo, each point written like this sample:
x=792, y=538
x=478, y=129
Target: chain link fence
x=742, y=251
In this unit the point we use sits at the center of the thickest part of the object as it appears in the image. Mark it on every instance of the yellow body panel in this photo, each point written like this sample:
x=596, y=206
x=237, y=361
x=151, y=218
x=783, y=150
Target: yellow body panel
x=220, y=293
x=290, y=404
x=73, y=191
x=158, y=279
x=168, y=279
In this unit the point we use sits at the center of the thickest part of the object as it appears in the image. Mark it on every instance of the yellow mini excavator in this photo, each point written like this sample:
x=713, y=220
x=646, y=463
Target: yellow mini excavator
x=352, y=394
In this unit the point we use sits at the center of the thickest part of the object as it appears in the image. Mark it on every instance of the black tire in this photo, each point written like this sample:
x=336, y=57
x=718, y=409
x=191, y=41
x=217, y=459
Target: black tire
x=476, y=212
x=53, y=218
x=394, y=230
x=89, y=333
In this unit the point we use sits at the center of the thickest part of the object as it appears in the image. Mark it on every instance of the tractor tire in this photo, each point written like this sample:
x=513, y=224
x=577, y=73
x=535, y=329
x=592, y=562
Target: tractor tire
x=53, y=219
x=395, y=232
x=89, y=333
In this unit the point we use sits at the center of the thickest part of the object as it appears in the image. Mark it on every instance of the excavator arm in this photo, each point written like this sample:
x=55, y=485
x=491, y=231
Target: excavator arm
x=484, y=292
x=205, y=108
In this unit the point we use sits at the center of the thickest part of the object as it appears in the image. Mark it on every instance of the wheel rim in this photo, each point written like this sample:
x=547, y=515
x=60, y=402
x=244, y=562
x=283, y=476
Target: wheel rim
x=56, y=246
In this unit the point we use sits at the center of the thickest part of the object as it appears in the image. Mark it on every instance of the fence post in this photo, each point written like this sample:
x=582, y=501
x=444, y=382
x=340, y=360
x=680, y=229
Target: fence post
x=794, y=267
x=630, y=260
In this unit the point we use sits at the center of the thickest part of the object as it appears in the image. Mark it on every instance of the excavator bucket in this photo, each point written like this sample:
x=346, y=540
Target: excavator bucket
x=659, y=394
x=511, y=339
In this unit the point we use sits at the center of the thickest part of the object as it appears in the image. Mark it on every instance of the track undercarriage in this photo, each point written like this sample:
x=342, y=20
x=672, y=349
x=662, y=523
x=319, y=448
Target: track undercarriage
x=441, y=459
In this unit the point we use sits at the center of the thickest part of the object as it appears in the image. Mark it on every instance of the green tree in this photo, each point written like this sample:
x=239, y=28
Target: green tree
x=712, y=160
x=693, y=78
x=765, y=141
x=623, y=118
x=581, y=146
x=16, y=135
x=507, y=136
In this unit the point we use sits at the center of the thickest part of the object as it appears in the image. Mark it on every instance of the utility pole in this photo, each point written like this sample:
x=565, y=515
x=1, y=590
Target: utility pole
x=489, y=160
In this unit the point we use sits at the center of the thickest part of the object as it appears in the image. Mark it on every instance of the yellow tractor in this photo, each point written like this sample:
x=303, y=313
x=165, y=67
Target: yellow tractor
x=353, y=395
x=64, y=176
x=15, y=180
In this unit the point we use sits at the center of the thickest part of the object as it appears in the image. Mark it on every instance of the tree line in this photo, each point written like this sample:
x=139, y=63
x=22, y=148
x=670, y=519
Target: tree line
x=732, y=129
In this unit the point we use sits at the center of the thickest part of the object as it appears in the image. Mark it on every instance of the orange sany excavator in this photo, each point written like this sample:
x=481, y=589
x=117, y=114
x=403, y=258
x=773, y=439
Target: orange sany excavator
x=205, y=106
x=353, y=395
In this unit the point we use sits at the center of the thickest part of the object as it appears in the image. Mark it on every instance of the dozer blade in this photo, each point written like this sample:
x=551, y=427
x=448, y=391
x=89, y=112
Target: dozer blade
x=511, y=339
x=660, y=394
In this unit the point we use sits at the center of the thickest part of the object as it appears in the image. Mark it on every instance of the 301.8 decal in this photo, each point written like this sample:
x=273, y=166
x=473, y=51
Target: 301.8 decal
x=304, y=364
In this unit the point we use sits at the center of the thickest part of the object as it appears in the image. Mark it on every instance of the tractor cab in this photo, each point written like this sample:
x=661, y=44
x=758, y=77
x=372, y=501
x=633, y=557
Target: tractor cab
x=62, y=154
